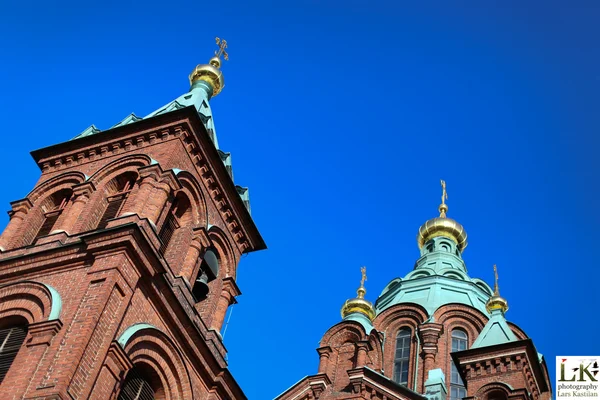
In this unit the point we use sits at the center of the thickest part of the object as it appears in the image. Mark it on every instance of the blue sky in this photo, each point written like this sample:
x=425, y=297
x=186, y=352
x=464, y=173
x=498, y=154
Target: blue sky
x=341, y=117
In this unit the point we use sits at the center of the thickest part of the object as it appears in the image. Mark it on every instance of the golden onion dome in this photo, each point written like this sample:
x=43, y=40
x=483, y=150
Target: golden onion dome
x=359, y=304
x=442, y=226
x=210, y=73
x=496, y=302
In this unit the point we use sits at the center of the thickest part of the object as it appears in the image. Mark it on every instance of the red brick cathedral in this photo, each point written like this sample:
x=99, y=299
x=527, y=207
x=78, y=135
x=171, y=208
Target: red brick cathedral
x=435, y=334
x=117, y=269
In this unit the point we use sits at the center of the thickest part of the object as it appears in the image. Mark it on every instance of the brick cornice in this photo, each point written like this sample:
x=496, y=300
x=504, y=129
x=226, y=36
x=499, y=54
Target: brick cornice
x=175, y=124
x=41, y=333
x=23, y=205
x=231, y=287
x=84, y=189
x=314, y=385
x=117, y=361
x=512, y=356
x=365, y=380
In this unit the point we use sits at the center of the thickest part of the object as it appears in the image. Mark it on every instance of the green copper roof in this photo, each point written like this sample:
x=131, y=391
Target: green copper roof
x=439, y=277
x=361, y=319
x=496, y=331
x=198, y=97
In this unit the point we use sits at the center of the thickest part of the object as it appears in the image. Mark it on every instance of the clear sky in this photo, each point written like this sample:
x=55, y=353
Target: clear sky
x=341, y=117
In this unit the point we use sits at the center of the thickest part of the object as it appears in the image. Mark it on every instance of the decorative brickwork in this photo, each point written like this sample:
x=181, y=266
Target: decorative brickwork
x=103, y=265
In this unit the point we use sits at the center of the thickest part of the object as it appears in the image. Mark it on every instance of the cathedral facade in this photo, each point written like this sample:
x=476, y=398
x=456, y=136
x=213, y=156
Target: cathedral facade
x=435, y=334
x=117, y=269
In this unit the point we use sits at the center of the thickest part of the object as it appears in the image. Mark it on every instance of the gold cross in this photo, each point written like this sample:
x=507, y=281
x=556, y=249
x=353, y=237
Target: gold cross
x=222, y=46
x=444, y=194
x=363, y=270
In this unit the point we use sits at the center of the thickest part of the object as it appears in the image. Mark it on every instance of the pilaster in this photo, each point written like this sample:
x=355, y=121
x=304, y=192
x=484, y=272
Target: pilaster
x=20, y=208
x=228, y=293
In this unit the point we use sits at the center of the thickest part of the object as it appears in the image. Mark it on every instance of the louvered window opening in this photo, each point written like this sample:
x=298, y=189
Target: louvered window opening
x=50, y=218
x=136, y=387
x=166, y=233
x=115, y=204
x=11, y=340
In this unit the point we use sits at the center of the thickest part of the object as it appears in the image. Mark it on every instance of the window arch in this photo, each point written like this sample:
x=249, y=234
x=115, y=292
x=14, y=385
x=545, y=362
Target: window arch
x=402, y=356
x=460, y=342
x=141, y=383
x=208, y=271
x=117, y=190
x=52, y=207
x=12, y=335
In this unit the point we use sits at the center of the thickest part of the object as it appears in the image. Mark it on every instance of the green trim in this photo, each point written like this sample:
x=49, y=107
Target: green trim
x=56, y=307
x=132, y=330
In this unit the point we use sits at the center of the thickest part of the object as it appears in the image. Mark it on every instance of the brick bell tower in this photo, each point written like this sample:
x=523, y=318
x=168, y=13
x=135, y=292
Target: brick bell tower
x=117, y=269
x=436, y=334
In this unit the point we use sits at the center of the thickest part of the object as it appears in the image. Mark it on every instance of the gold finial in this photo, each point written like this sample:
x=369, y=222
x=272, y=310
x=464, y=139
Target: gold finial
x=359, y=304
x=496, y=302
x=496, y=290
x=210, y=73
x=443, y=207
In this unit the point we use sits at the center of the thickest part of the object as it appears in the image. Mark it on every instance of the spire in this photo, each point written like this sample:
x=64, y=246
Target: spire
x=442, y=226
x=443, y=207
x=496, y=302
x=359, y=305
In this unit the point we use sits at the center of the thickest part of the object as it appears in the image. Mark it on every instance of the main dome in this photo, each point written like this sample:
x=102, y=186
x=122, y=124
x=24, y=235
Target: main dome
x=442, y=226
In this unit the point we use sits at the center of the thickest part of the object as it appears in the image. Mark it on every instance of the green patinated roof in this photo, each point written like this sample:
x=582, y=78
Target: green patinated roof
x=361, y=319
x=439, y=277
x=496, y=331
x=198, y=97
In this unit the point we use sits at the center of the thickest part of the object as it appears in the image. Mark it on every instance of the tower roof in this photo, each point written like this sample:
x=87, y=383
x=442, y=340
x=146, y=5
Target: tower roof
x=496, y=331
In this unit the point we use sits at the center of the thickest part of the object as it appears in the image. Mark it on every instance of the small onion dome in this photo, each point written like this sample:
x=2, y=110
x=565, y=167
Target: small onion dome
x=442, y=226
x=496, y=302
x=359, y=304
x=209, y=73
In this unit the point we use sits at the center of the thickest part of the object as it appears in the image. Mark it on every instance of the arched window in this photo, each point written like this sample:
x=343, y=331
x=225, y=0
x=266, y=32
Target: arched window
x=118, y=190
x=141, y=383
x=208, y=271
x=52, y=207
x=12, y=335
x=457, y=387
x=180, y=207
x=402, y=357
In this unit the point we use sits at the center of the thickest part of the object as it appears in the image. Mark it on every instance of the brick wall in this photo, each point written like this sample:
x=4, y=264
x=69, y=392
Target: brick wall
x=110, y=280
